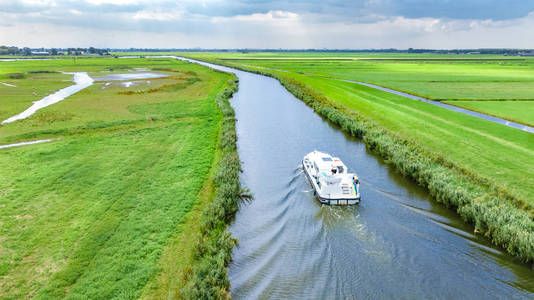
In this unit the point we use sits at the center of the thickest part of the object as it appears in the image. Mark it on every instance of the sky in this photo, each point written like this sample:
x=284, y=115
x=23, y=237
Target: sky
x=357, y=24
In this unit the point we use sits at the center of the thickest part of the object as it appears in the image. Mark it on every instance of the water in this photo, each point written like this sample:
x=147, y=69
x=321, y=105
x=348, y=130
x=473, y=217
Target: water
x=81, y=80
x=398, y=243
x=24, y=143
x=130, y=76
x=128, y=83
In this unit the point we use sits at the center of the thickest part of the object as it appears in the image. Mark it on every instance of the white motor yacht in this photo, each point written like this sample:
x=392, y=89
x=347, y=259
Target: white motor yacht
x=332, y=183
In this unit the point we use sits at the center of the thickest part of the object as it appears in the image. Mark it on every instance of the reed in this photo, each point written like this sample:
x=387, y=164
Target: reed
x=208, y=277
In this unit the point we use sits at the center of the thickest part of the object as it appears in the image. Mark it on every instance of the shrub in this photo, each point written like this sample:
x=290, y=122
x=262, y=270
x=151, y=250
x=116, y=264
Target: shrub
x=41, y=71
x=15, y=75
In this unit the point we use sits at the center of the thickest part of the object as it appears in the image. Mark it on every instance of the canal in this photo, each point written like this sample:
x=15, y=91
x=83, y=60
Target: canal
x=399, y=243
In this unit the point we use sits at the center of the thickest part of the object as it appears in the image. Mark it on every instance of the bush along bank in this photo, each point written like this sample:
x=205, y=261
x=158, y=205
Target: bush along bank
x=208, y=278
x=494, y=213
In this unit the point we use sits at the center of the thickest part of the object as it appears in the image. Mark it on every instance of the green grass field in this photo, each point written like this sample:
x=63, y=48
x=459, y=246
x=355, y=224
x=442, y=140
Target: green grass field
x=437, y=77
x=90, y=214
x=521, y=111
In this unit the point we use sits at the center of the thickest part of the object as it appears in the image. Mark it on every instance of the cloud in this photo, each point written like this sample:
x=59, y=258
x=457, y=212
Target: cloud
x=158, y=15
x=268, y=23
x=270, y=16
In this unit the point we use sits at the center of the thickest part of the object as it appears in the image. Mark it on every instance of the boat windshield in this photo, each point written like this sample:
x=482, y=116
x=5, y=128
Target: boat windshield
x=340, y=169
x=326, y=159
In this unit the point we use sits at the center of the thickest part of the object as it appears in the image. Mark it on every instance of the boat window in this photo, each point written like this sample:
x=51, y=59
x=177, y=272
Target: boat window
x=340, y=169
x=326, y=159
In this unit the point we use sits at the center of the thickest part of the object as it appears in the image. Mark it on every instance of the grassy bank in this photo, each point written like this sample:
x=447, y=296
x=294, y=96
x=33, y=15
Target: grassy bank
x=200, y=269
x=209, y=276
x=89, y=214
x=403, y=132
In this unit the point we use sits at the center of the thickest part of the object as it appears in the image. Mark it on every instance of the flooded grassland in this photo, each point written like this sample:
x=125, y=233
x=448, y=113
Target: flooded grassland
x=89, y=212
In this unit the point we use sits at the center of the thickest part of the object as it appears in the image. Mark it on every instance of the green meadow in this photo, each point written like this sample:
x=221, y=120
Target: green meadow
x=517, y=111
x=437, y=77
x=97, y=212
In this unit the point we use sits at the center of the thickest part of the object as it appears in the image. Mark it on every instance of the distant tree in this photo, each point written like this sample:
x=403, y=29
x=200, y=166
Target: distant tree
x=27, y=51
x=53, y=51
x=13, y=50
x=92, y=50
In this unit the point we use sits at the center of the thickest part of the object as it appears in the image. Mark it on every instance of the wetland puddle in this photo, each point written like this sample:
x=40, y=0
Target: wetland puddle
x=399, y=243
x=24, y=143
x=130, y=76
x=81, y=80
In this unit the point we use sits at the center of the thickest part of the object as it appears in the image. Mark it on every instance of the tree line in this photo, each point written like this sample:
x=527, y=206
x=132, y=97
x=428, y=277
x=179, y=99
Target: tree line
x=26, y=51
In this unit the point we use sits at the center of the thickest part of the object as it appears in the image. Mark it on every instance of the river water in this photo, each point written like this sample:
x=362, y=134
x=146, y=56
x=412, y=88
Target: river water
x=398, y=243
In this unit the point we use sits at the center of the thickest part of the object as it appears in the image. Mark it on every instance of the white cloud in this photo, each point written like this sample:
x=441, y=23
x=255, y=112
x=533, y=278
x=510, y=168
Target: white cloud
x=158, y=15
x=41, y=3
x=75, y=12
x=270, y=16
x=114, y=2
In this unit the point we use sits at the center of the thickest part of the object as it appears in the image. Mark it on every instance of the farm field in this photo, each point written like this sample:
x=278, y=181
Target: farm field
x=500, y=155
x=91, y=213
x=437, y=77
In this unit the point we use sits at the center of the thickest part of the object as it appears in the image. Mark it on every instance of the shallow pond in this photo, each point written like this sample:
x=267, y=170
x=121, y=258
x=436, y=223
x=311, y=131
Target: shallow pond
x=130, y=76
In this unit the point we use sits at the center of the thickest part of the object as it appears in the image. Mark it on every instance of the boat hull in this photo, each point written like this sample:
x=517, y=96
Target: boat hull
x=326, y=200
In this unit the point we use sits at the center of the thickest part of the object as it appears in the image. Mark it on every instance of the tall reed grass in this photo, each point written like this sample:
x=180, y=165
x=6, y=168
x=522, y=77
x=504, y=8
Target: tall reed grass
x=208, y=278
